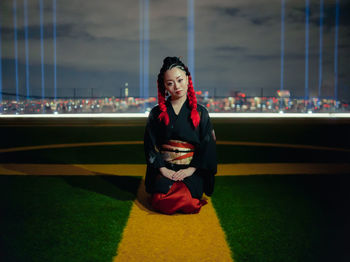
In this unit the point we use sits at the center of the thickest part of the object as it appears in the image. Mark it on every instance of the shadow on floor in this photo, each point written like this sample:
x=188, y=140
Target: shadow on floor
x=117, y=187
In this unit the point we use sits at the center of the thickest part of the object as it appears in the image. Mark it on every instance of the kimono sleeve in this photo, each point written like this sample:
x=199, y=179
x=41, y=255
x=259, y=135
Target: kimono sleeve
x=153, y=156
x=205, y=159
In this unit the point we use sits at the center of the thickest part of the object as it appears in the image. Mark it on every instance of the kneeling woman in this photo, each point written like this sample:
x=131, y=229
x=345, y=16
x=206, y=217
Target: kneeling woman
x=179, y=144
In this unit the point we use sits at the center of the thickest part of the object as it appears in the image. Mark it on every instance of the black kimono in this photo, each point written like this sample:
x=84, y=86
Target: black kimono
x=181, y=128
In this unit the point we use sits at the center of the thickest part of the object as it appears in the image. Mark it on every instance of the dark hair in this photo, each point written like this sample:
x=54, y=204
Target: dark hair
x=169, y=63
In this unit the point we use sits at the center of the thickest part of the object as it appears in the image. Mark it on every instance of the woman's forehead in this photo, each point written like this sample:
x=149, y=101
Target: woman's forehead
x=172, y=74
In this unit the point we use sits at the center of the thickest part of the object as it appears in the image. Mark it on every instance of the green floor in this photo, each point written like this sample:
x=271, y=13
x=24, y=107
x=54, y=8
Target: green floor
x=285, y=218
x=134, y=154
x=266, y=218
x=63, y=218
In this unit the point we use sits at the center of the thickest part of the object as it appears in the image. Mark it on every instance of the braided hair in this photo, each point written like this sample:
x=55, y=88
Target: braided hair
x=169, y=63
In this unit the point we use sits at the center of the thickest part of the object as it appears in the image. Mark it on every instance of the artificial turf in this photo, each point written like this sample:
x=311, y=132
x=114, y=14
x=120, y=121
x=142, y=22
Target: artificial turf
x=134, y=154
x=285, y=218
x=265, y=218
x=63, y=218
x=327, y=132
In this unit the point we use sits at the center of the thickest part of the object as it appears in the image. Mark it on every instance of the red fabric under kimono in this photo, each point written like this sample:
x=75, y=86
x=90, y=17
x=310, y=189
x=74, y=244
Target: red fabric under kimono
x=178, y=199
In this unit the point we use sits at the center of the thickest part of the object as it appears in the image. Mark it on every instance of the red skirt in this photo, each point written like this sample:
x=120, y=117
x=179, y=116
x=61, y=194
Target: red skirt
x=178, y=198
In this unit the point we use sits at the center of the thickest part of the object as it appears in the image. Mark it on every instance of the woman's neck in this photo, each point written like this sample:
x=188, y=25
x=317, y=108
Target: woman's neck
x=179, y=101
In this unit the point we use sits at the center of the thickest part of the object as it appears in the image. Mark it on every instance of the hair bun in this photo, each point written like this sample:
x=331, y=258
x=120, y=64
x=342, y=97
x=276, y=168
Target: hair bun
x=172, y=60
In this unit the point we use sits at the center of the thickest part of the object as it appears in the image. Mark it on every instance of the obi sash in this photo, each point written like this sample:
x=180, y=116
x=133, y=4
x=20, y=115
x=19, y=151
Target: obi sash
x=177, y=152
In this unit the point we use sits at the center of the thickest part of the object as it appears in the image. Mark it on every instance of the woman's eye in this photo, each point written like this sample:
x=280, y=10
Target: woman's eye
x=180, y=80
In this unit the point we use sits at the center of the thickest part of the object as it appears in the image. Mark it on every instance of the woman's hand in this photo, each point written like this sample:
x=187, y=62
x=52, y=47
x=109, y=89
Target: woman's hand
x=168, y=173
x=183, y=173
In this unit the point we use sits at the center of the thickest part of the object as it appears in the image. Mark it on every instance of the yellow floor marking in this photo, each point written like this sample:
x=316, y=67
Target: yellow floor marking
x=28, y=148
x=67, y=125
x=44, y=169
x=150, y=236
x=115, y=169
x=73, y=169
x=9, y=170
x=283, y=168
x=113, y=143
x=140, y=169
x=242, y=143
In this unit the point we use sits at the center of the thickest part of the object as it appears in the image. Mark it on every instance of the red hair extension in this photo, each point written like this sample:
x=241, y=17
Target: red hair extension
x=163, y=116
x=192, y=101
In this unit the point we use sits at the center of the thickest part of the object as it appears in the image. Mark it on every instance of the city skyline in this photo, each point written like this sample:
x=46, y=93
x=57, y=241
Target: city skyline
x=237, y=46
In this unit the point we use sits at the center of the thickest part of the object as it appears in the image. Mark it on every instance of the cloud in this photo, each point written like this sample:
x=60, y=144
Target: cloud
x=229, y=11
x=237, y=43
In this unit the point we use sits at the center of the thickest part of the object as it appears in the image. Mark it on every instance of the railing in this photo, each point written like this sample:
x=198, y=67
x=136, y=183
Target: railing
x=141, y=105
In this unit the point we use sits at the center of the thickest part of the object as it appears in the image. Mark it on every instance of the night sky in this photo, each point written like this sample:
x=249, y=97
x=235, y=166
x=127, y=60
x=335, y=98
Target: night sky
x=237, y=46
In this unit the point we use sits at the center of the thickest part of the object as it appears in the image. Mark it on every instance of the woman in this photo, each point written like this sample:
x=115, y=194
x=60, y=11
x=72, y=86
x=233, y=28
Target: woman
x=179, y=144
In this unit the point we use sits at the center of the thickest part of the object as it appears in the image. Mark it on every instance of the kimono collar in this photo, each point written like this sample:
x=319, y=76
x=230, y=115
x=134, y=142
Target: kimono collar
x=168, y=102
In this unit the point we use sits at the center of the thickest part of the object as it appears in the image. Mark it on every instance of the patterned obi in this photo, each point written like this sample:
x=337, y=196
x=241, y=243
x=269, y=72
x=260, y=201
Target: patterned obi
x=177, y=152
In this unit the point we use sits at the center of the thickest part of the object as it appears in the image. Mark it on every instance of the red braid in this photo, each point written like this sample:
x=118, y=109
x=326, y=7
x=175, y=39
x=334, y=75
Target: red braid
x=163, y=116
x=192, y=102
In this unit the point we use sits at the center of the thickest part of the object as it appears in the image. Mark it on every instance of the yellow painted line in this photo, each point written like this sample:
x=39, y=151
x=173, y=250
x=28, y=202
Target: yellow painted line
x=150, y=236
x=116, y=169
x=283, y=169
x=28, y=148
x=73, y=169
x=113, y=143
x=240, y=143
x=9, y=170
x=140, y=169
x=66, y=125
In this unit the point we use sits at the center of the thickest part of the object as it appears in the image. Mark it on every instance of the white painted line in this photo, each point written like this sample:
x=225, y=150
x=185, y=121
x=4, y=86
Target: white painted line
x=96, y=115
x=212, y=115
x=280, y=115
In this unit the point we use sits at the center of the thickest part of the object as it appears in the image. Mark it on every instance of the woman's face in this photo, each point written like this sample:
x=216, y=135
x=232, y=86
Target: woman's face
x=176, y=82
